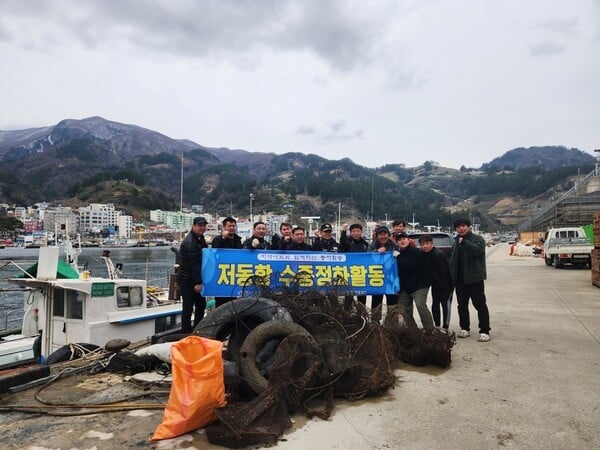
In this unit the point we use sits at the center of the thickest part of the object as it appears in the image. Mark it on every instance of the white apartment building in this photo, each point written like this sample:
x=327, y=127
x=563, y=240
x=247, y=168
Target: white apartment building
x=96, y=216
x=181, y=221
x=125, y=226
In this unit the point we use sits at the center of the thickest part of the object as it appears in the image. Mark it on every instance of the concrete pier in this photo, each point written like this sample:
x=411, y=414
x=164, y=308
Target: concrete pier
x=535, y=385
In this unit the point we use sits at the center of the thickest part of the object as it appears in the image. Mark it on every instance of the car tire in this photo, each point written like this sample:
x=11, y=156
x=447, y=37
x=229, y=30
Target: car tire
x=255, y=341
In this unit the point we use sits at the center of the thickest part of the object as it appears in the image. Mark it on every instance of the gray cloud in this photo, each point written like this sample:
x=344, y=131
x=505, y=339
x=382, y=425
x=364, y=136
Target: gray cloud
x=335, y=31
x=546, y=48
x=332, y=132
x=566, y=27
x=306, y=130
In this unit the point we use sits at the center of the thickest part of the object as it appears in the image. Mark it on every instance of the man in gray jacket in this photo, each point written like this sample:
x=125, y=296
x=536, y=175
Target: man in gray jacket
x=468, y=271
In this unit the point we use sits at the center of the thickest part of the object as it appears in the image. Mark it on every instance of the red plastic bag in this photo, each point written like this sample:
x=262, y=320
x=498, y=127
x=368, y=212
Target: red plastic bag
x=197, y=388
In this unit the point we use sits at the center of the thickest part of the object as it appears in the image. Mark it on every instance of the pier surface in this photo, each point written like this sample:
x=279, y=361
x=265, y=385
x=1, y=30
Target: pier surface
x=534, y=385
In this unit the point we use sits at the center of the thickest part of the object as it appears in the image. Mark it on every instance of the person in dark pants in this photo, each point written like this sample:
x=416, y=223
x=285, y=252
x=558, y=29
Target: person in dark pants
x=438, y=271
x=414, y=282
x=227, y=239
x=467, y=268
x=382, y=243
x=189, y=277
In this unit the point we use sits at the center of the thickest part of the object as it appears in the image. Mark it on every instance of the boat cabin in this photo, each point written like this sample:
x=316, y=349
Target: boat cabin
x=63, y=306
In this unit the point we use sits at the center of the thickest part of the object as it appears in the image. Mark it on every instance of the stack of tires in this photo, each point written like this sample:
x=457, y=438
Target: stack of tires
x=253, y=328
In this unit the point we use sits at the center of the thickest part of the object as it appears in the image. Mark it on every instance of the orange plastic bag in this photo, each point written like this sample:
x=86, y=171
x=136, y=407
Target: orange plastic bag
x=197, y=387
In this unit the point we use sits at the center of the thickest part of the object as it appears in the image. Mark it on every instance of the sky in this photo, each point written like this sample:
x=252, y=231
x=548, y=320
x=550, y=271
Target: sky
x=458, y=82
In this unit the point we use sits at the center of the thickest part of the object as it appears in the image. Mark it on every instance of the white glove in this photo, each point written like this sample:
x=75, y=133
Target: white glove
x=396, y=253
x=255, y=243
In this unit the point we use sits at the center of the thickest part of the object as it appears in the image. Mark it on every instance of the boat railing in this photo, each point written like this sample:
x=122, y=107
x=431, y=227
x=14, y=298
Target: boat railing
x=11, y=322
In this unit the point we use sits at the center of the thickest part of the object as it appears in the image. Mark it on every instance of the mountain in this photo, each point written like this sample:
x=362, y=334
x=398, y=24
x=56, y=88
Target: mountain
x=123, y=140
x=546, y=158
x=96, y=160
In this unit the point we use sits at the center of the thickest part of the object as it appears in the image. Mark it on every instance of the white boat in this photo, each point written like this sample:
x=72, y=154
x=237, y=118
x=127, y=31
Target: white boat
x=64, y=305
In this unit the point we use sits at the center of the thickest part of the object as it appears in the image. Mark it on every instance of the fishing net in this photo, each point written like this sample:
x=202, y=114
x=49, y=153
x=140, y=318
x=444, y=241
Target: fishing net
x=418, y=346
x=347, y=355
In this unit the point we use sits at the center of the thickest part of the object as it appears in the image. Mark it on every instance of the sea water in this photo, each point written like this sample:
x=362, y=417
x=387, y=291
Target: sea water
x=153, y=264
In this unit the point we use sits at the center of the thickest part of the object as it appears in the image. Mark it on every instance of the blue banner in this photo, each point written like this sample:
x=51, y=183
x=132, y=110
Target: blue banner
x=227, y=272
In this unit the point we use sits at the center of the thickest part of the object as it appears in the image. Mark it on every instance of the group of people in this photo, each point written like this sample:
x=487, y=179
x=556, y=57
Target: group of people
x=420, y=268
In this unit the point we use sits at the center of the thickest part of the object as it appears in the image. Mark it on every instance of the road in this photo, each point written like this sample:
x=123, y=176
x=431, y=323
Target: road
x=534, y=385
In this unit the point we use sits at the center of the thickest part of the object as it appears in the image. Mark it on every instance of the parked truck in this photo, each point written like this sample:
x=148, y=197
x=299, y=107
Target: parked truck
x=568, y=245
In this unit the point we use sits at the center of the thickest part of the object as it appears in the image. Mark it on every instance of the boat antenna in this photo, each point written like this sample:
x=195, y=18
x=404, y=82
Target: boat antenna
x=181, y=199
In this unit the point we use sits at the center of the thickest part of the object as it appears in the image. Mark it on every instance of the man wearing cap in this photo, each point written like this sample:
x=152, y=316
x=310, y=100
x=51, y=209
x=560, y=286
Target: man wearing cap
x=325, y=242
x=399, y=226
x=189, y=277
x=467, y=268
x=382, y=243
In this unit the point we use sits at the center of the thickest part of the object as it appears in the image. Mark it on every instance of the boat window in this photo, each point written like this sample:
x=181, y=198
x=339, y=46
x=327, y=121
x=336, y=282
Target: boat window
x=135, y=296
x=74, y=303
x=58, y=303
x=128, y=296
x=166, y=323
x=122, y=297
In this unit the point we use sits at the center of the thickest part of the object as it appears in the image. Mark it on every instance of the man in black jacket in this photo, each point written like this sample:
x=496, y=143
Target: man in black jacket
x=278, y=241
x=414, y=282
x=436, y=265
x=353, y=243
x=189, y=277
x=227, y=239
x=297, y=242
x=257, y=240
x=382, y=243
x=325, y=242
x=468, y=270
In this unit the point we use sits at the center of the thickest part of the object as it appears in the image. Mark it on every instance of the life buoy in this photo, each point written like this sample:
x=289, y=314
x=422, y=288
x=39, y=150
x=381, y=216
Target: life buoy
x=257, y=338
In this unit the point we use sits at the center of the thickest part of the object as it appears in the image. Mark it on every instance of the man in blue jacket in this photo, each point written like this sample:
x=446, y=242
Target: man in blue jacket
x=467, y=268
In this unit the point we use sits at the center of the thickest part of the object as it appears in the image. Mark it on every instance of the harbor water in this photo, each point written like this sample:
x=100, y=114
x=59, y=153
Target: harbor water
x=153, y=264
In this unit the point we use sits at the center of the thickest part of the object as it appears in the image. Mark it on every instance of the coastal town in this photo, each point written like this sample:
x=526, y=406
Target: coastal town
x=102, y=225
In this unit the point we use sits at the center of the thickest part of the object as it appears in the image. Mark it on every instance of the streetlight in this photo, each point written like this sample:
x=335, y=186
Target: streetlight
x=290, y=207
x=251, y=215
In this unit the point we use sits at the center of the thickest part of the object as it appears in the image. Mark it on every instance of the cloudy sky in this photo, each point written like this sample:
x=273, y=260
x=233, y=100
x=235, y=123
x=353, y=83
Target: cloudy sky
x=458, y=82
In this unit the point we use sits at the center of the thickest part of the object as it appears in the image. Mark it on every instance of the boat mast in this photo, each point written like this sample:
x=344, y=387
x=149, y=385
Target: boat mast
x=181, y=200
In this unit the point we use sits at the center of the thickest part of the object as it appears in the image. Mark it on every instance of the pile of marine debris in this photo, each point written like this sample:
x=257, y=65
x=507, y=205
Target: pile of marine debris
x=290, y=352
x=284, y=353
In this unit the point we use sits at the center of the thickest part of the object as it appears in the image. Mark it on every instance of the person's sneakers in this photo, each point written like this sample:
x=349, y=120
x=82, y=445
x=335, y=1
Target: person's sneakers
x=483, y=337
x=464, y=334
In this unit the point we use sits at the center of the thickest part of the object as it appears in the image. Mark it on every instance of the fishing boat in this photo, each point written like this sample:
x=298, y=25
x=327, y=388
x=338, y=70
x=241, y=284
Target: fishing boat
x=64, y=304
